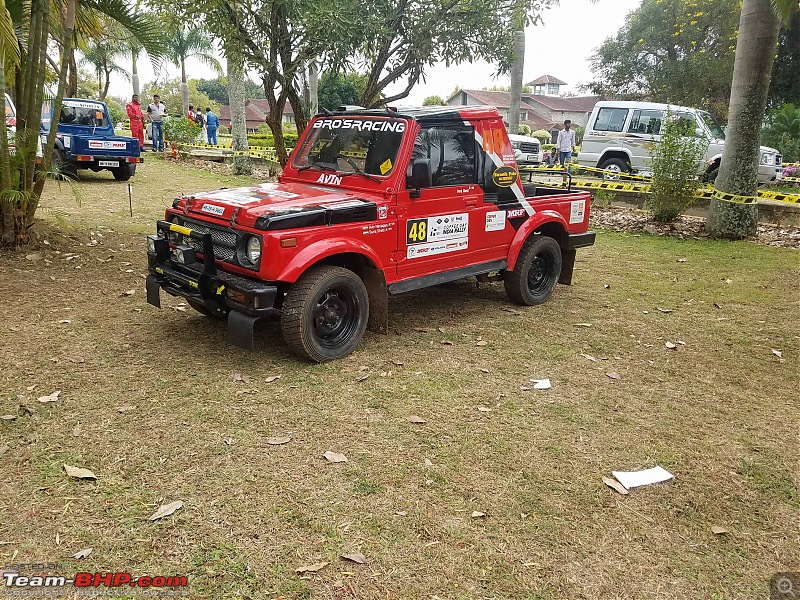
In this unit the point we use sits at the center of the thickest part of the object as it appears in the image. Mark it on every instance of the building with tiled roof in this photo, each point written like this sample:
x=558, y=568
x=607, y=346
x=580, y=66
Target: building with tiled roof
x=546, y=85
x=256, y=111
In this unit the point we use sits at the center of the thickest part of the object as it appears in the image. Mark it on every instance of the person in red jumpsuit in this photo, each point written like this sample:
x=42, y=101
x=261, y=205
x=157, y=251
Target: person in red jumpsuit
x=134, y=110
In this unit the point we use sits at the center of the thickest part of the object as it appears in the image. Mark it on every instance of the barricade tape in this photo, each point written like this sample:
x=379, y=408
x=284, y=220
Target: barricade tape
x=614, y=174
x=791, y=179
x=704, y=192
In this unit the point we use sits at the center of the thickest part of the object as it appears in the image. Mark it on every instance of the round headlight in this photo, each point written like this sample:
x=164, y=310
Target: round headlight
x=766, y=159
x=254, y=249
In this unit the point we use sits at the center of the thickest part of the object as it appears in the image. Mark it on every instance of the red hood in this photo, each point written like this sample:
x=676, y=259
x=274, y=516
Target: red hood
x=274, y=200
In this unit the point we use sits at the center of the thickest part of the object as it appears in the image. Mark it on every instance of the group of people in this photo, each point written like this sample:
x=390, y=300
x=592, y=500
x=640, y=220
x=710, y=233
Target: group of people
x=156, y=113
x=208, y=122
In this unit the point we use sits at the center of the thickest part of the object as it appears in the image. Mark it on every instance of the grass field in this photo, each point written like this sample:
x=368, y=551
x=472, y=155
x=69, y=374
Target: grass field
x=149, y=404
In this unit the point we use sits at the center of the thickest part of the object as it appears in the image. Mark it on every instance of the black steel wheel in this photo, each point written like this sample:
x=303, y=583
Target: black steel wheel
x=325, y=313
x=536, y=272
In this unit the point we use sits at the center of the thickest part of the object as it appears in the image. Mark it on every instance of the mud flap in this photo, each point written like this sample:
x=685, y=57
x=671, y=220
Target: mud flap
x=240, y=329
x=567, y=266
x=153, y=291
x=375, y=282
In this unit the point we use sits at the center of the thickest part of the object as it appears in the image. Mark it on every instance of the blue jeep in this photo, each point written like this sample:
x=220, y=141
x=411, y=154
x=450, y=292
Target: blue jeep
x=86, y=140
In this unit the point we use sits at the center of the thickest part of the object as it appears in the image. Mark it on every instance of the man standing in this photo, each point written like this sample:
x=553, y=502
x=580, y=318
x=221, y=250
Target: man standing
x=212, y=122
x=134, y=110
x=156, y=112
x=565, y=144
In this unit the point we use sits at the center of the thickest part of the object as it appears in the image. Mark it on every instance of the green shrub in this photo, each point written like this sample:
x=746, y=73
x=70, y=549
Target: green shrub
x=524, y=129
x=782, y=131
x=543, y=136
x=181, y=131
x=675, y=162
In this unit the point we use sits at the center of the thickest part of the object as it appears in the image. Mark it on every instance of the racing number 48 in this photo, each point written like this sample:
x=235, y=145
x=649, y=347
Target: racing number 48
x=417, y=231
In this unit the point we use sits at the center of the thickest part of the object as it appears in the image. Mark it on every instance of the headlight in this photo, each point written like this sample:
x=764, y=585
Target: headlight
x=515, y=145
x=254, y=249
x=767, y=159
x=151, y=245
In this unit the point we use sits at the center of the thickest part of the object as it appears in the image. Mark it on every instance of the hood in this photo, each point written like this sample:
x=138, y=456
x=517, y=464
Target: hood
x=271, y=206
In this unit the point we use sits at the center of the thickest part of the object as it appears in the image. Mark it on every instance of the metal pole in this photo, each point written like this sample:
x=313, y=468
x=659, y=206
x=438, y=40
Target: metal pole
x=130, y=198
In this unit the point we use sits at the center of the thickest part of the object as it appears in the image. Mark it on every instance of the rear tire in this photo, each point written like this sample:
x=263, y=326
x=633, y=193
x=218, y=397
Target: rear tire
x=615, y=165
x=125, y=172
x=325, y=313
x=536, y=272
x=65, y=168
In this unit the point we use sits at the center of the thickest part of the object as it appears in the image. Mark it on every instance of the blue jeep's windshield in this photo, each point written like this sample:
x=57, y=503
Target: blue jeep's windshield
x=84, y=113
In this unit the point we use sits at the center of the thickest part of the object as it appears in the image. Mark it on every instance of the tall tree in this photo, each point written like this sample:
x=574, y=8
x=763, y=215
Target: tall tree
x=102, y=53
x=340, y=89
x=675, y=51
x=235, y=63
x=785, y=85
x=184, y=42
x=759, y=24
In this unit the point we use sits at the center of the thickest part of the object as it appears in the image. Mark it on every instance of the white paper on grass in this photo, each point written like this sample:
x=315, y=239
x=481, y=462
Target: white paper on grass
x=632, y=479
x=541, y=384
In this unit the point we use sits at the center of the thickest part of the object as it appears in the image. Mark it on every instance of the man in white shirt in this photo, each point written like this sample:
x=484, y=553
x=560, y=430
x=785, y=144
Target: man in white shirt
x=565, y=145
x=155, y=113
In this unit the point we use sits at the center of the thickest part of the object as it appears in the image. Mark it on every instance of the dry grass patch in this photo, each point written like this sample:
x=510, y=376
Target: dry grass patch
x=717, y=411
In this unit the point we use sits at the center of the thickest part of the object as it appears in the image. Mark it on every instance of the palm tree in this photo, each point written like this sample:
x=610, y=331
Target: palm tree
x=759, y=26
x=101, y=53
x=187, y=42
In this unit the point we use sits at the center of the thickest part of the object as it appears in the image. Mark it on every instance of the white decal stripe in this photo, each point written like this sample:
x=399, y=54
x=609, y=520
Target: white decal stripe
x=499, y=163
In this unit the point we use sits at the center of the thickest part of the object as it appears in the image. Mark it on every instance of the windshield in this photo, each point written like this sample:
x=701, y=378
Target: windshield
x=712, y=125
x=361, y=145
x=77, y=112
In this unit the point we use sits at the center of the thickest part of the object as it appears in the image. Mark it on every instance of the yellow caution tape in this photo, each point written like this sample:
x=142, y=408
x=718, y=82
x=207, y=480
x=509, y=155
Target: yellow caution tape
x=736, y=199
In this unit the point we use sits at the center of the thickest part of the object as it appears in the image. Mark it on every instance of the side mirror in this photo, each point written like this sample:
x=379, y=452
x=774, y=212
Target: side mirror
x=421, y=175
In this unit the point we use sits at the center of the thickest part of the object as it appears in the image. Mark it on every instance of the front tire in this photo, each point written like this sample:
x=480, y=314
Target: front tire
x=614, y=166
x=325, y=313
x=536, y=272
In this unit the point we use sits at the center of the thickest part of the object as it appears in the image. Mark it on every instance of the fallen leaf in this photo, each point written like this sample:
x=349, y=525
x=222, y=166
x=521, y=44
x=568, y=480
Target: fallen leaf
x=484, y=370
x=334, y=457
x=513, y=311
x=612, y=375
x=583, y=324
x=482, y=343
x=279, y=440
x=228, y=441
x=777, y=353
x=8, y=417
x=728, y=280
x=415, y=419
x=717, y=530
x=681, y=260
x=356, y=558
x=423, y=329
x=476, y=514
x=79, y=472
x=126, y=408
x=34, y=256
x=3, y=450
x=717, y=305
x=664, y=310
x=238, y=377
x=428, y=462
x=440, y=329
x=615, y=485
x=272, y=378
x=589, y=357
x=670, y=345
x=397, y=363
x=76, y=360
x=166, y=510
x=606, y=286
x=311, y=568
x=77, y=431
x=82, y=553
x=51, y=398
x=362, y=377
x=484, y=409
x=128, y=293
x=401, y=513
x=445, y=342
x=64, y=322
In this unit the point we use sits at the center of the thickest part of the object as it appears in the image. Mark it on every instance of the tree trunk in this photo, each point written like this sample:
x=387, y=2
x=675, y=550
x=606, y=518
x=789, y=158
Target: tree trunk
x=6, y=205
x=738, y=172
x=241, y=163
x=105, y=85
x=134, y=72
x=72, y=85
x=516, y=81
x=184, y=88
x=299, y=111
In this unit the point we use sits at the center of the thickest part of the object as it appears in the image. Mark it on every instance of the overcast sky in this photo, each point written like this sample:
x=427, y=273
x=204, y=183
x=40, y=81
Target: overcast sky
x=559, y=46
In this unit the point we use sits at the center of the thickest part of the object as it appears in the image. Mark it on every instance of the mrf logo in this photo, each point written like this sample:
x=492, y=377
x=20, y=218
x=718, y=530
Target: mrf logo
x=329, y=179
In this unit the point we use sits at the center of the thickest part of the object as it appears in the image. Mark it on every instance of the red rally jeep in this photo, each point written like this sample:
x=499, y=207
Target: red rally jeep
x=371, y=203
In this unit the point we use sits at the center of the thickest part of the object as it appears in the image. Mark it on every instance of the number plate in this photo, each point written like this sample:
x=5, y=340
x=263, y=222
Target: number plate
x=109, y=163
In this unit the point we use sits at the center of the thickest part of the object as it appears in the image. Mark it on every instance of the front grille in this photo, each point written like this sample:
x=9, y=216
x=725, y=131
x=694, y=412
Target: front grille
x=225, y=240
x=529, y=147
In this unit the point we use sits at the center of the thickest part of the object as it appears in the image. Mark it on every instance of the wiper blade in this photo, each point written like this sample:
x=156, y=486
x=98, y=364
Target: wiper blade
x=319, y=166
x=367, y=175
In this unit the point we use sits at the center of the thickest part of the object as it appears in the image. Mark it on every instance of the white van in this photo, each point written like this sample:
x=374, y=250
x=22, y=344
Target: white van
x=527, y=150
x=619, y=135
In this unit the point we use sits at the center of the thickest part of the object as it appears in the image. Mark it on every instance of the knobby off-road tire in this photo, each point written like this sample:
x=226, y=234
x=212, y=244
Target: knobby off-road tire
x=325, y=313
x=536, y=272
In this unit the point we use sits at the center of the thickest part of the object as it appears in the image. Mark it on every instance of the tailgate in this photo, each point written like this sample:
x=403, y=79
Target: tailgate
x=105, y=145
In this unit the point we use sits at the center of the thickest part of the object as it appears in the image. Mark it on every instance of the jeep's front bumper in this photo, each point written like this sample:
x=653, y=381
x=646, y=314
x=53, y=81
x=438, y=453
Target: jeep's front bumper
x=244, y=300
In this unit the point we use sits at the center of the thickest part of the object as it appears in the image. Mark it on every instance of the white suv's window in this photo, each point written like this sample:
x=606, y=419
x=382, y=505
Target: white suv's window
x=646, y=121
x=610, y=119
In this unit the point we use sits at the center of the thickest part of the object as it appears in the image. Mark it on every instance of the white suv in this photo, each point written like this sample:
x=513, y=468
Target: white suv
x=527, y=150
